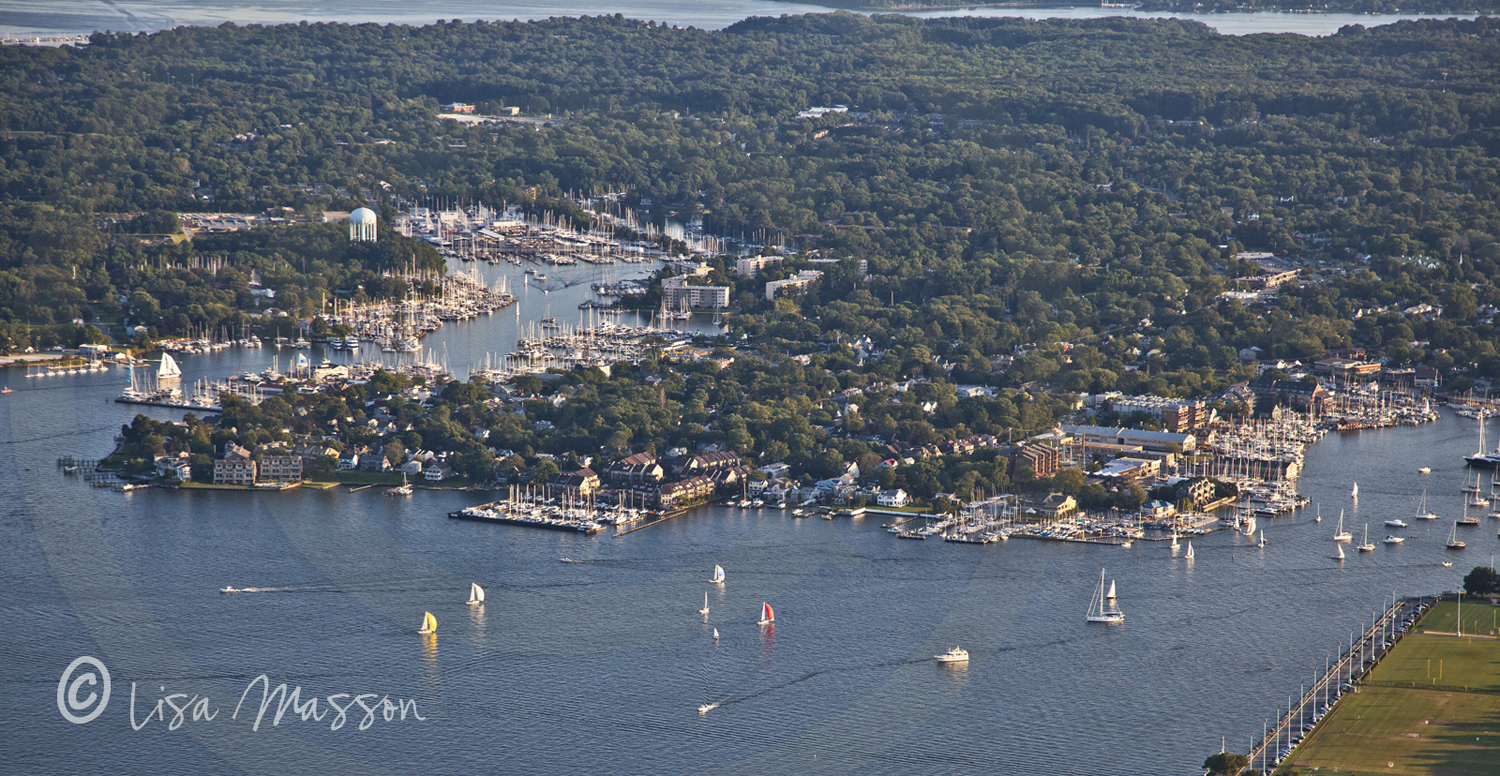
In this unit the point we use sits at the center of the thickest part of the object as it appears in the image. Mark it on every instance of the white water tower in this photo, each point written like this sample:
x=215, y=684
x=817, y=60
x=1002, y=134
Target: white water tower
x=362, y=225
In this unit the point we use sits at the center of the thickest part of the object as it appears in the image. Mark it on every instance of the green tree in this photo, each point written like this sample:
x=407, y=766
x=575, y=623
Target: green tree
x=1483, y=580
x=1226, y=764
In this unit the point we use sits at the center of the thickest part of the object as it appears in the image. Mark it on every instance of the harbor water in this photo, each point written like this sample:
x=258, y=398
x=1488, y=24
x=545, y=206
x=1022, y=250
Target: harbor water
x=598, y=664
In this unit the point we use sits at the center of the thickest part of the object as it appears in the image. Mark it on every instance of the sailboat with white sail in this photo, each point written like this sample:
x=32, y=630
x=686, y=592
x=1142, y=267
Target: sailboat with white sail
x=168, y=369
x=704, y=610
x=1340, y=535
x=1338, y=551
x=1175, y=544
x=476, y=594
x=1189, y=555
x=1100, y=607
x=718, y=577
x=1423, y=513
x=1453, y=542
x=767, y=615
x=1367, y=546
x=429, y=623
x=1262, y=542
x=1111, y=594
x=1354, y=494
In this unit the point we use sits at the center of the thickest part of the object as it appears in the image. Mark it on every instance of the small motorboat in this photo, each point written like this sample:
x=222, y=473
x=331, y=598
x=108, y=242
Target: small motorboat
x=230, y=589
x=955, y=655
x=1425, y=470
x=1392, y=540
x=1397, y=523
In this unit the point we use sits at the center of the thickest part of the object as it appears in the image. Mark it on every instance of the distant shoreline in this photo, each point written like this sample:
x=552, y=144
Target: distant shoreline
x=1149, y=6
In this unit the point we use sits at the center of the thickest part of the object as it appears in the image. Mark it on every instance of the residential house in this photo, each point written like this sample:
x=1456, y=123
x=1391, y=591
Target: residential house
x=893, y=498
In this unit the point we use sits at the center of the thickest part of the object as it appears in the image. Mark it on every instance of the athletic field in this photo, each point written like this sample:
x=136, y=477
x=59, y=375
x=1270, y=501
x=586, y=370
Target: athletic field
x=1431, y=707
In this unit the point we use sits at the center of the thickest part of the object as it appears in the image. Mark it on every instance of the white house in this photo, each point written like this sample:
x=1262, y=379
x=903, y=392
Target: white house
x=893, y=498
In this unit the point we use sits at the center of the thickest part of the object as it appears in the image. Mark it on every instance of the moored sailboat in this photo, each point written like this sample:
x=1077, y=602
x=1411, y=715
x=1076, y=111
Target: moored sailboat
x=1367, y=546
x=1453, y=542
x=704, y=610
x=1340, y=535
x=1422, y=512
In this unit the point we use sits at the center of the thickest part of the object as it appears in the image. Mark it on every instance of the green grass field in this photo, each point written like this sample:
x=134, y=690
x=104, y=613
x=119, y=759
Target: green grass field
x=1480, y=617
x=1444, y=721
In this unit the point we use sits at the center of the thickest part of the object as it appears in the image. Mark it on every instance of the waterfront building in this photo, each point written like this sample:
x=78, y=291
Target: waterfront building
x=676, y=294
x=675, y=493
x=1296, y=394
x=280, y=468
x=234, y=470
x=583, y=482
x=437, y=472
x=893, y=498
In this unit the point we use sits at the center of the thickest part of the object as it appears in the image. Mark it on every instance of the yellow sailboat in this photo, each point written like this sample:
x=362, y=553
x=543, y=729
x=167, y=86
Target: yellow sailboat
x=429, y=623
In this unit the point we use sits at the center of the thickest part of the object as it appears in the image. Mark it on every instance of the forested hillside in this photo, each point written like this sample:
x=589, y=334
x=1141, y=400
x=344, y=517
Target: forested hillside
x=1010, y=182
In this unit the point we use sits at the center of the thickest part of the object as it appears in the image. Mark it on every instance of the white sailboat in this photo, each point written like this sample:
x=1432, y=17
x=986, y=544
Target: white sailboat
x=767, y=616
x=1318, y=518
x=1338, y=552
x=1354, y=494
x=168, y=368
x=1250, y=526
x=1189, y=555
x=429, y=623
x=704, y=610
x=1422, y=511
x=1174, y=545
x=716, y=634
x=476, y=594
x=718, y=577
x=1100, y=610
x=1340, y=535
x=1111, y=594
x=1262, y=538
x=1367, y=546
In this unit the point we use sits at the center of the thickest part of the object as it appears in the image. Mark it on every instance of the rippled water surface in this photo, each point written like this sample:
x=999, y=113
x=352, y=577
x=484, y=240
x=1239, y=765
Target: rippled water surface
x=599, y=665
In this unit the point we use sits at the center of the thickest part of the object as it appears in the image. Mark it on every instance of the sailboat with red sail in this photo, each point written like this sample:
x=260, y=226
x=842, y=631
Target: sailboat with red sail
x=767, y=617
